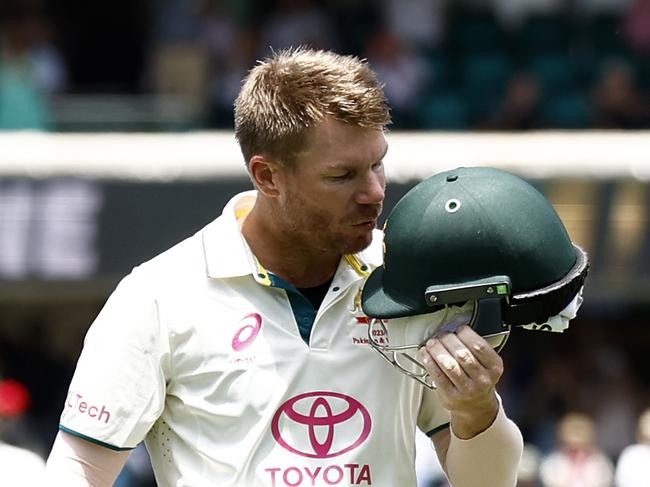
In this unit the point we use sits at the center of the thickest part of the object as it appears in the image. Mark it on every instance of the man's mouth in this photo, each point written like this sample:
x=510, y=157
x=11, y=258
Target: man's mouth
x=369, y=219
x=367, y=223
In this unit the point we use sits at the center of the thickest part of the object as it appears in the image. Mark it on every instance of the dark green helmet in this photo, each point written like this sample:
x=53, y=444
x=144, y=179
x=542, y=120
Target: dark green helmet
x=476, y=234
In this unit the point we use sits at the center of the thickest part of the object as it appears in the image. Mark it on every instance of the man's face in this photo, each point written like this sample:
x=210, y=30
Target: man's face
x=331, y=199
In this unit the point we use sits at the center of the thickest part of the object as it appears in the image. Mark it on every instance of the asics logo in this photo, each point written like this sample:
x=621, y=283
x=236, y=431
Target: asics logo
x=251, y=325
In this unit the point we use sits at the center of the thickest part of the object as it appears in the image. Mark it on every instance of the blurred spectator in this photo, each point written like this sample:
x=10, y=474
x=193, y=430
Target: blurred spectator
x=179, y=62
x=637, y=26
x=633, y=466
x=404, y=72
x=231, y=50
x=615, y=412
x=293, y=23
x=29, y=69
x=355, y=21
x=528, y=473
x=181, y=69
x=618, y=101
x=420, y=23
x=576, y=461
x=19, y=465
x=175, y=21
x=48, y=67
x=217, y=30
x=520, y=109
x=513, y=13
x=226, y=79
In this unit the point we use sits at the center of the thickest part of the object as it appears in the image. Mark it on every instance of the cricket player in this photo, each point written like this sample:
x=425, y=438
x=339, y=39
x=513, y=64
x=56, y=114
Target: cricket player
x=241, y=355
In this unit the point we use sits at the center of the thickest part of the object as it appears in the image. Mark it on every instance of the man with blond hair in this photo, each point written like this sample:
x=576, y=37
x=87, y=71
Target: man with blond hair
x=633, y=463
x=577, y=460
x=240, y=356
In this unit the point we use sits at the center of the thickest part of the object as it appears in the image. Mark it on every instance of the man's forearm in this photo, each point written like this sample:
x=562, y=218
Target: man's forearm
x=74, y=462
x=489, y=459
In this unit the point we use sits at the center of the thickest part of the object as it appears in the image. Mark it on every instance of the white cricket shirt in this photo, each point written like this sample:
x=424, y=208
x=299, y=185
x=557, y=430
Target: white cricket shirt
x=199, y=353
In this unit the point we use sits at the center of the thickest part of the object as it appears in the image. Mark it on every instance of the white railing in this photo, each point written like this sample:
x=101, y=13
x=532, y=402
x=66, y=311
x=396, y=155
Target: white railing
x=412, y=155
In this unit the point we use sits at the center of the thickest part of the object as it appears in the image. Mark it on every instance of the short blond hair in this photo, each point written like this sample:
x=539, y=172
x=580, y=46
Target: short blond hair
x=288, y=93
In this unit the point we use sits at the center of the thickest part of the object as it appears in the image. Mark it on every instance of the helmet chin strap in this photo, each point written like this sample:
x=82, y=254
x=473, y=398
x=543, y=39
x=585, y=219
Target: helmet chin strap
x=486, y=320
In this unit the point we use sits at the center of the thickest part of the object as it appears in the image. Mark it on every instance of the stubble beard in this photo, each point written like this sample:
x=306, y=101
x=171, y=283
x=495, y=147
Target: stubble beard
x=314, y=232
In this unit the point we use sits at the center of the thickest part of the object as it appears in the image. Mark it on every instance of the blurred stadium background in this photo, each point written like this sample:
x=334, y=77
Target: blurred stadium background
x=116, y=142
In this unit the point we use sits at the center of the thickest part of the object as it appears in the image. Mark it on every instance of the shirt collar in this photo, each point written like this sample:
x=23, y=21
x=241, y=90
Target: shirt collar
x=227, y=253
x=225, y=250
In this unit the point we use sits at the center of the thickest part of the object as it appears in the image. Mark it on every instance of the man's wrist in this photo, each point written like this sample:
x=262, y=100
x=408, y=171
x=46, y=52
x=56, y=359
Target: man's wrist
x=468, y=423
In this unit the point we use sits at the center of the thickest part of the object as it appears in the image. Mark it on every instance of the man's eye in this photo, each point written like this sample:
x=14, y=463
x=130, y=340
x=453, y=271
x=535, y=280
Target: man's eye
x=339, y=177
x=378, y=165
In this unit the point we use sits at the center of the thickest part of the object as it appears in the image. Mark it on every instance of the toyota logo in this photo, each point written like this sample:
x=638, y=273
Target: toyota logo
x=307, y=424
x=245, y=336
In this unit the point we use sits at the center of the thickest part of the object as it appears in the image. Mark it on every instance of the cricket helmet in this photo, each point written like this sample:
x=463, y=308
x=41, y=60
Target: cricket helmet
x=476, y=246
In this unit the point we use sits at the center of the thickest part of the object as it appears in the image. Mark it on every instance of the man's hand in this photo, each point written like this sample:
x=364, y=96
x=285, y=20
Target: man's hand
x=465, y=370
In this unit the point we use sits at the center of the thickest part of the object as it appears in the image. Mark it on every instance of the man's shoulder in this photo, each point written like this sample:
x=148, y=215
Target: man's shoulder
x=637, y=450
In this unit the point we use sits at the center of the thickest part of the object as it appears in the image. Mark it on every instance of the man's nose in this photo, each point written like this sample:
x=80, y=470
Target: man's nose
x=373, y=190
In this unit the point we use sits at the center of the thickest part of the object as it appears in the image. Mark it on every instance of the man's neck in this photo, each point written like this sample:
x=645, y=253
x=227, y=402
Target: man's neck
x=276, y=253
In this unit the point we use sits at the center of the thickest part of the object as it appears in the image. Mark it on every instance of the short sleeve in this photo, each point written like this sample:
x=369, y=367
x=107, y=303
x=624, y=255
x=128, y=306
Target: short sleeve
x=432, y=417
x=118, y=388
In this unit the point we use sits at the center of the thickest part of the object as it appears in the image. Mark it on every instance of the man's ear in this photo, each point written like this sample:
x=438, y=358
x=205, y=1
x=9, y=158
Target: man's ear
x=265, y=174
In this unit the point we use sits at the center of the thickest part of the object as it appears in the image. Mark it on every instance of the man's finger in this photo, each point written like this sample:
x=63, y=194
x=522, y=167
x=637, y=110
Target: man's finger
x=439, y=378
x=446, y=362
x=479, y=347
x=462, y=354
